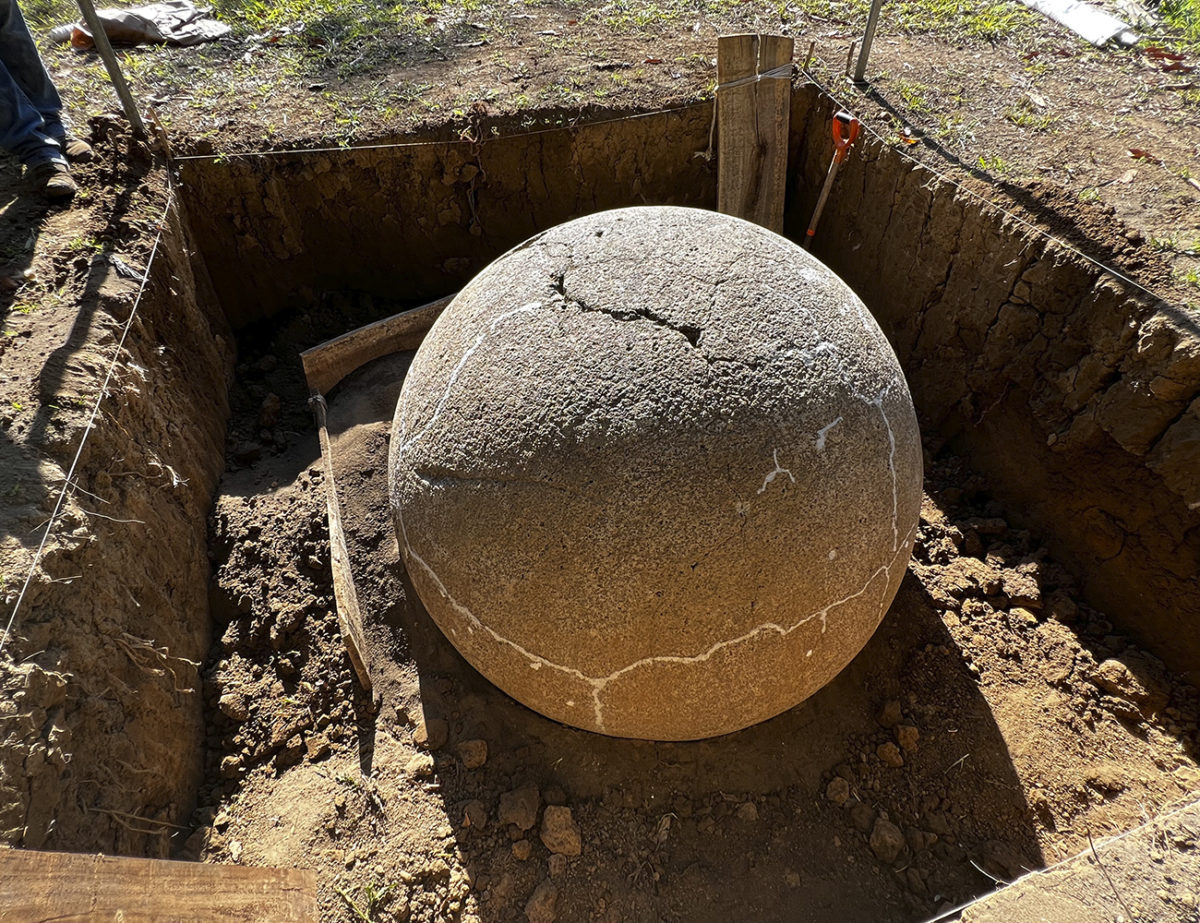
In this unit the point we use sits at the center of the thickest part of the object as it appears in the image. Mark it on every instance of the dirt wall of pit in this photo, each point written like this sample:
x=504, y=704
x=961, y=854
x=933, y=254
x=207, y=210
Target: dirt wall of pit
x=1073, y=393
x=102, y=736
x=419, y=221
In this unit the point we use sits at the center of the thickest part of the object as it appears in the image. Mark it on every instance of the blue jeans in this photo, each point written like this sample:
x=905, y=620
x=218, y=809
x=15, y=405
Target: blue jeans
x=30, y=110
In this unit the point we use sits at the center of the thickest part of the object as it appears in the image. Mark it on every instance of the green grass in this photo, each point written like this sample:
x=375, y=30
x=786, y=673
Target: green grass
x=914, y=95
x=1182, y=16
x=995, y=164
x=1025, y=117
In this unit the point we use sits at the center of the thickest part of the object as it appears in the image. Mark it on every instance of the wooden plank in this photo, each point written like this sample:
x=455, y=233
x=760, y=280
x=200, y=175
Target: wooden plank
x=774, y=116
x=324, y=366
x=328, y=363
x=737, y=145
x=77, y=887
x=752, y=127
x=345, y=594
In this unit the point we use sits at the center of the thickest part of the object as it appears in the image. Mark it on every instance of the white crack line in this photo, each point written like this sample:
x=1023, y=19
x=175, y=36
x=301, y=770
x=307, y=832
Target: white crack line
x=598, y=684
x=772, y=475
x=878, y=403
x=405, y=441
x=823, y=432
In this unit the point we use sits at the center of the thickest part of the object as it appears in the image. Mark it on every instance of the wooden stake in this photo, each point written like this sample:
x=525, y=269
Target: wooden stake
x=108, y=56
x=752, y=125
x=324, y=366
x=345, y=596
x=71, y=886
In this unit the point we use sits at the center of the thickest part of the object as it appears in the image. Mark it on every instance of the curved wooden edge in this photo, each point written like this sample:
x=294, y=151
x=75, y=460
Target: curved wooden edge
x=328, y=363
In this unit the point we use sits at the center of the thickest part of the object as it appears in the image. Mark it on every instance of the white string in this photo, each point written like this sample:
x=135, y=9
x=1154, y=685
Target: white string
x=1000, y=208
x=67, y=483
x=1103, y=844
x=353, y=149
x=782, y=72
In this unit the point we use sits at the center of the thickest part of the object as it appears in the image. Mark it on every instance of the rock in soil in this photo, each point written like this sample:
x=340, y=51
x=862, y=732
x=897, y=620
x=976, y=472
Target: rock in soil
x=519, y=807
x=887, y=841
x=890, y=755
x=473, y=753
x=838, y=791
x=431, y=734
x=889, y=715
x=542, y=906
x=560, y=833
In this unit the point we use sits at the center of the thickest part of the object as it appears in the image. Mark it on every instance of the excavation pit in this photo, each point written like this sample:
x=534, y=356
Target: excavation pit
x=1029, y=687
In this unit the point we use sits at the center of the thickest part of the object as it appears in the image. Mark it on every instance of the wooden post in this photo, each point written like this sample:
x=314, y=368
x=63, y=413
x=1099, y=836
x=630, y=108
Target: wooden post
x=77, y=887
x=109, y=57
x=752, y=127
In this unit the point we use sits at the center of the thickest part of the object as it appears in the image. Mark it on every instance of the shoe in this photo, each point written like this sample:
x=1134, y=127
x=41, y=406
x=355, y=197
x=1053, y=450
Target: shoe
x=76, y=149
x=53, y=180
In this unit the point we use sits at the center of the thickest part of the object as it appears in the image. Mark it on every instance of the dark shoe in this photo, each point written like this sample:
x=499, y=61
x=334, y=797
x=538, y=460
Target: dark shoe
x=76, y=149
x=53, y=180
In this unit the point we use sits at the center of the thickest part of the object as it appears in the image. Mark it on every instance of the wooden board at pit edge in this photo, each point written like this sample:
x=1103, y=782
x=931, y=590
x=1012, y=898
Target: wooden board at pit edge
x=328, y=363
x=85, y=887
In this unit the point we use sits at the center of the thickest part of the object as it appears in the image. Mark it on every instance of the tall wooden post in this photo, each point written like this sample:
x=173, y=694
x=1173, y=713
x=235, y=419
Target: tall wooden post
x=752, y=126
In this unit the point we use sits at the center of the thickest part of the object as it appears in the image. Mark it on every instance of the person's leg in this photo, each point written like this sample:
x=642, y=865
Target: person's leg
x=24, y=64
x=22, y=129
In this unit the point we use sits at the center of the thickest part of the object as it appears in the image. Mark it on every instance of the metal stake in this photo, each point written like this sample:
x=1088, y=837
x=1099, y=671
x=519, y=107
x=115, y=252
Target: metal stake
x=860, y=69
x=104, y=47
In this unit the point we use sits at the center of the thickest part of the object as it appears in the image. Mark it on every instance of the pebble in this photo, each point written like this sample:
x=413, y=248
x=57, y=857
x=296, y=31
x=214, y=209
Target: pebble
x=233, y=705
x=522, y=850
x=890, y=755
x=475, y=815
x=907, y=736
x=862, y=816
x=316, y=747
x=542, y=906
x=1022, y=590
x=473, y=753
x=420, y=766
x=748, y=812
x=557, y=865
x=890, y=715
x=886, y=841
x=431, y=734
x=519, y=807
x=838, y=791
x=560, y=833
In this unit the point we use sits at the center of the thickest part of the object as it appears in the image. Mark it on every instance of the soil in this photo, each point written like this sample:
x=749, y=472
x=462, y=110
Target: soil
x=99, y=708
x=1112, y=874
x=991, y=726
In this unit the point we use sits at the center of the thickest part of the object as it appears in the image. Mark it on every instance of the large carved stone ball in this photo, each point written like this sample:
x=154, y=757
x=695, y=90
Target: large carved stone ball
x=656, y=473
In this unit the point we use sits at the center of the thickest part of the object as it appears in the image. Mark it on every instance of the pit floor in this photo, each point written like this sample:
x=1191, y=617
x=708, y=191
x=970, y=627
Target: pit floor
x=1036, y=725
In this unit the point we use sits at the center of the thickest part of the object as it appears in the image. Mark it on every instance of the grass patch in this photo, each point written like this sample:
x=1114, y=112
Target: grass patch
x=1023, y=116
x=1182, y=16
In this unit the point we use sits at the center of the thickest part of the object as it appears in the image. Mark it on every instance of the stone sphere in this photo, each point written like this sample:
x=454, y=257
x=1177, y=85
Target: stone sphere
x=656, y=473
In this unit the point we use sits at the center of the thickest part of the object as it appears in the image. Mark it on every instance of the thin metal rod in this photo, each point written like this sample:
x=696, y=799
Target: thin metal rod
x=860, y=69
x=104, y=47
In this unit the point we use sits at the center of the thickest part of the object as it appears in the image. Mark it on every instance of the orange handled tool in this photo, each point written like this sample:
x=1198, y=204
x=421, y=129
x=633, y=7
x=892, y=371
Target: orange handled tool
x=845, y=132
